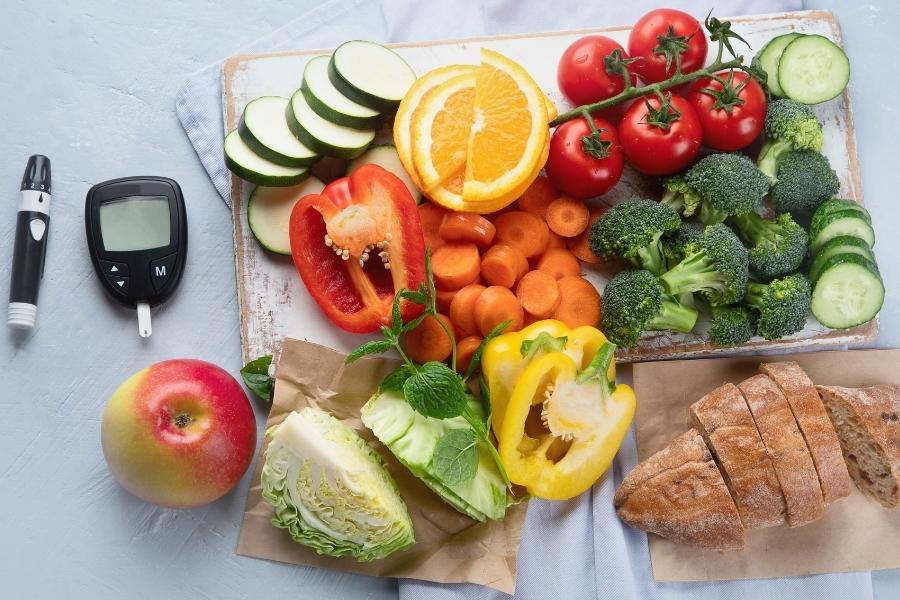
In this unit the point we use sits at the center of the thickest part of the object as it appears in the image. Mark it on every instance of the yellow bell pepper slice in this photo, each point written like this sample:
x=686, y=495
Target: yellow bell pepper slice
x=558, y=436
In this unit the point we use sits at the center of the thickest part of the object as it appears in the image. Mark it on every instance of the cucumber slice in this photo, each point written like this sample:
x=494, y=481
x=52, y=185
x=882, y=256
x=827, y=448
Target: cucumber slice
x=385, y=155
x=843, y=244
x=264, y=129
x=249, y=166
x=768, y=58
x=845, y=222
x=322, y=135
x=848, y=292
x=839, y=204
x=269, y=213
x=330, y=104
x=813, y=69
x=370, y=74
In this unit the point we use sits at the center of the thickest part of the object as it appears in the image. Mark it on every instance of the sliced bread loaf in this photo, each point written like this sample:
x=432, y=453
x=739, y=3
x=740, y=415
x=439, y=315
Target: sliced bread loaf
x=867, y=421
x=678, y=493
x=724, y=420
x=815, y=426
x=787, y=449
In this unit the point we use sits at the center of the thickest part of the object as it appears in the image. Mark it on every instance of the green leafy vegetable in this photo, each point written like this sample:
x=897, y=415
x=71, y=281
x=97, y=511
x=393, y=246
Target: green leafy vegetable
x=256, y=377
x=455, y=457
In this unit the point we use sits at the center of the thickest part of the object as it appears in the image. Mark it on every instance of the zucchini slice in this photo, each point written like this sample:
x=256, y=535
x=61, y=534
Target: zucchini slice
x=843, y=244
x=329, y=103
x=848, y=292
x=370, y=74
x=813, y=69
x=768, y=58
x=385, y=156
x=322, y=135
x=269, y=213
x=845, y=222
x=249, y=166
x=264, y=129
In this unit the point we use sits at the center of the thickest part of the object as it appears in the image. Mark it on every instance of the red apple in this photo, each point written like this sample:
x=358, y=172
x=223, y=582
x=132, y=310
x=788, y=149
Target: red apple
x=179, y=433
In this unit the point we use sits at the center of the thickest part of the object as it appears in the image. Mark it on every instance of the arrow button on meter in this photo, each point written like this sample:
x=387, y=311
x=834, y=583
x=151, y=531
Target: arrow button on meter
x=119, y=284
x=161, y=269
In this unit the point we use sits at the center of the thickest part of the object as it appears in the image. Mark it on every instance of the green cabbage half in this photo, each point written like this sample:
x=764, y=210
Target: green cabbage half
x=331, y=491
x=412, y=438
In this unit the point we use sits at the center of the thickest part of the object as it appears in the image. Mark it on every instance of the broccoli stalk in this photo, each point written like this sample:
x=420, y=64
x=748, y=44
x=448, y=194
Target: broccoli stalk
x=781, y=306
x=789, y=126
x=715, y=264
x=730, y=325
x=777, y=247
x=634, y=302
x=633, y=230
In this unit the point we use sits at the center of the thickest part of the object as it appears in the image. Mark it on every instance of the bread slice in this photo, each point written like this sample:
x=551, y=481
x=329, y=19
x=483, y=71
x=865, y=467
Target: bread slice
x=814, y=424
x=678, y=493
x=725, y=422
x=787, y=449
x=868, y=424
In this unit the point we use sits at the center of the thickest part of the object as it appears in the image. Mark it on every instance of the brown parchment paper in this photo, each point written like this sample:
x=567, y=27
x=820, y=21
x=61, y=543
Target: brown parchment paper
x=449, y=548
x=856, y=533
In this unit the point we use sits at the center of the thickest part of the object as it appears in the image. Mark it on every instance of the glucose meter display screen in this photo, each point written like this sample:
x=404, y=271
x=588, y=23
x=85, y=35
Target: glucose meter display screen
x=135, y=223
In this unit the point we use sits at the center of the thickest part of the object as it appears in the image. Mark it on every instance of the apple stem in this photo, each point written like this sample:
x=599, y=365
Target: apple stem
x=182, y=420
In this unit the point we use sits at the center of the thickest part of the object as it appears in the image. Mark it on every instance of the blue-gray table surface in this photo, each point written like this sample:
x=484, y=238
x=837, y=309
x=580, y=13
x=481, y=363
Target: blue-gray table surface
x=90, y=84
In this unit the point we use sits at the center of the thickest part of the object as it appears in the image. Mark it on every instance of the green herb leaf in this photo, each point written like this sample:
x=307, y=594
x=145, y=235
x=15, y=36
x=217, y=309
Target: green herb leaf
x=419, y=296
x=455, y=458
x=544, y=342
x=485, y=393
x=414, y=323
x=372, y=347
x=256, y=377
x=431, y=305
x=435, y=391
x=395, y=379
x=396, y=319
x=476, y=356
x=599, y=366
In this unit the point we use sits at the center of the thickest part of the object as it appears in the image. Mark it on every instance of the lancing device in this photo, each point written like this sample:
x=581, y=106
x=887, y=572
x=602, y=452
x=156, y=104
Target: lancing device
x=31, y=243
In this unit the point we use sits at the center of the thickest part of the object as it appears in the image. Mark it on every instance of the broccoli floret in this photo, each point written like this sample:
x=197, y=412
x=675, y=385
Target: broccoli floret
x=633, y=230
x=715, y=264
x=777, y=247
x=730, y=325
x=674, y=243
x=634, y=302
x=805, y=180
x=789, y=126
x=726, y=184
x=781, y=306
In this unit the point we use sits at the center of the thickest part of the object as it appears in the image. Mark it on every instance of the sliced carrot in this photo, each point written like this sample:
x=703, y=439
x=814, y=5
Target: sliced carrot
x=579, y=245
x=538, y=293
x=567, y=217
x=530, y=320
x=431, y=216
x=559, y=262
x=538, y=197
x=465, y=350
x=462, y=309
x=429, y=341
x=579, y=302
x=495, y=305
x=444, y=298
x=523, y=230
x=503, y=265
x=555, y=241
x=455, y=265
x=467, y=228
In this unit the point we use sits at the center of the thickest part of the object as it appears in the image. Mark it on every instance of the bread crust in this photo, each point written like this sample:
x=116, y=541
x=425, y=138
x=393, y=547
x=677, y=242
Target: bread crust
x=821, y=438
x=787, y=449
x=726, y=424
x=679, y=494
x=878, y=410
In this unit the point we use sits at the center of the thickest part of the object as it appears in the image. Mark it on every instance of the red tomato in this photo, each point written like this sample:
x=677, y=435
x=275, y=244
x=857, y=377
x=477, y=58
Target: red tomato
x=576, y=173
x=656, y=150
x=644, y=39
x=581, y=73
x=738, y=120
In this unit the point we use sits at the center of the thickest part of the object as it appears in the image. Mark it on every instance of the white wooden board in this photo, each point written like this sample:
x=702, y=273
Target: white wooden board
x=273, y=301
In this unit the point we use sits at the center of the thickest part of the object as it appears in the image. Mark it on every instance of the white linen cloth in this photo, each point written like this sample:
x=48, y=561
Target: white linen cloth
x=570, y=550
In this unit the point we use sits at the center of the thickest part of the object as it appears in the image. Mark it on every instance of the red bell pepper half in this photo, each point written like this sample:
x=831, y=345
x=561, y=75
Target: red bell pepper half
x=356, y=244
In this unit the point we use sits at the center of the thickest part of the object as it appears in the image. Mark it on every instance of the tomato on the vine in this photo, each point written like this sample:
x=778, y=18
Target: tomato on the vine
x=585, y=162
x=660, y=140
x=662, y=38
x=582, y=74
x=731, y=113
